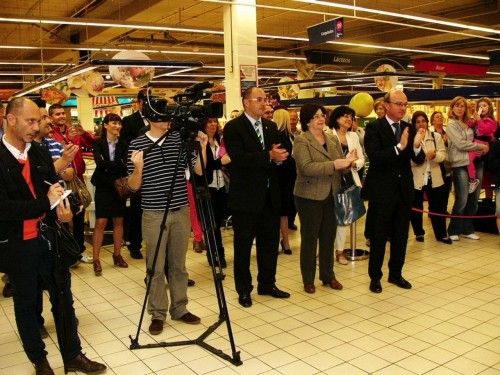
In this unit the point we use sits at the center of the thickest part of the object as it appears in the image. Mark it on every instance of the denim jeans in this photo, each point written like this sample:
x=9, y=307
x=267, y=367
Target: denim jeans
x=33, y=263
x=465, y=203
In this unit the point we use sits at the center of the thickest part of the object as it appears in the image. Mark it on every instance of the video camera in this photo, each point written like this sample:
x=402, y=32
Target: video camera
x=185, y=115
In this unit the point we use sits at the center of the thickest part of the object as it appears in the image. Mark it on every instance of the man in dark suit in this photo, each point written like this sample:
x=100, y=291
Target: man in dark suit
x=26, y=200
x=133, y=126
x=253, y=145
x=390, y=145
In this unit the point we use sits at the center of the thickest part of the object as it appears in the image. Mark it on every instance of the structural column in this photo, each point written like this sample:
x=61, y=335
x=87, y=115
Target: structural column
x=85, y=112
x=240, y=50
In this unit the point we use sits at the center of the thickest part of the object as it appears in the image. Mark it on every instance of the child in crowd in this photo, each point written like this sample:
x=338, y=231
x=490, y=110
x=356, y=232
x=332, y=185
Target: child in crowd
x=484, y=125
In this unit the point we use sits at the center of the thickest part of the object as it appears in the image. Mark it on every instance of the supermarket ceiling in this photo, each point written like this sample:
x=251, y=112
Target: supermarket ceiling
x=38, y=37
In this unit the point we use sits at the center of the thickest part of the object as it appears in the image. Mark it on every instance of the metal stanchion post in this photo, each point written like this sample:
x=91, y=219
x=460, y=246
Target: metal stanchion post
x=353, y=253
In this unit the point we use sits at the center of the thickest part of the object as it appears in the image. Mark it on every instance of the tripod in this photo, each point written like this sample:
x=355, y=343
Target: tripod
x=205, y=210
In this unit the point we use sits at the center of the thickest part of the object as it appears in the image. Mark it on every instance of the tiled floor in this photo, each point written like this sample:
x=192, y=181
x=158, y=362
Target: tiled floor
x=449, y=323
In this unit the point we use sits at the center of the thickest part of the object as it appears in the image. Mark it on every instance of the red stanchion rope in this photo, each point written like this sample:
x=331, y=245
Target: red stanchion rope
x=454, y=216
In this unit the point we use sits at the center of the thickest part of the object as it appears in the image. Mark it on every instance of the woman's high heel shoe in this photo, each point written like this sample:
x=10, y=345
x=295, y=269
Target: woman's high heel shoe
x=97, y=267
x=285, y=250
x=119, y=261
x=339, y=255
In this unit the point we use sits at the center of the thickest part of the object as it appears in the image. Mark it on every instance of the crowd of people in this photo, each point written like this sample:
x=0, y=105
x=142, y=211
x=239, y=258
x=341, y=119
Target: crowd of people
x=262, y=169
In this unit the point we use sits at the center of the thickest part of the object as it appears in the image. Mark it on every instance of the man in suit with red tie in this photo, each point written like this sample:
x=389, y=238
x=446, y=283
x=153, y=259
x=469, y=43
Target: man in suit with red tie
x=252, y=142
x=390, y=145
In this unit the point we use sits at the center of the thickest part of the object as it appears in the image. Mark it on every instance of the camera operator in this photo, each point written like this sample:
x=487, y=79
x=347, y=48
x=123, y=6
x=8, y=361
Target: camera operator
x=154, y=172
x=26, y=170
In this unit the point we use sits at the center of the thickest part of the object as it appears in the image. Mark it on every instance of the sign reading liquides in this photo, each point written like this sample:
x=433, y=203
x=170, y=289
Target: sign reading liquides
x=326, y=31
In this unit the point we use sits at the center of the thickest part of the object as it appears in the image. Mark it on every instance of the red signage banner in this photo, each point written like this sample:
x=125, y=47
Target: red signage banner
x=449, y=68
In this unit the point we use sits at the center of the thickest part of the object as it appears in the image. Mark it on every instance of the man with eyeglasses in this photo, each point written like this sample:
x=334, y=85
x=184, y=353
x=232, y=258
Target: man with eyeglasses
x=390, y=145
x=252, y=142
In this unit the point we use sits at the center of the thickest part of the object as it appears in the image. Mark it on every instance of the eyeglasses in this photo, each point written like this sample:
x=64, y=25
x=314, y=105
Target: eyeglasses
x=400, y=104
x=319, y=116
x=258, y=99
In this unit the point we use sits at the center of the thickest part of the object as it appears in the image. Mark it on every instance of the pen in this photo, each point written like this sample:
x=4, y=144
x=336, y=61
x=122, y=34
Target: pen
x=61, y=182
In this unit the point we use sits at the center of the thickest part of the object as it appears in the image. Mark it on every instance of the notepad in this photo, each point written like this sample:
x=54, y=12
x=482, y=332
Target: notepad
x=63, y=197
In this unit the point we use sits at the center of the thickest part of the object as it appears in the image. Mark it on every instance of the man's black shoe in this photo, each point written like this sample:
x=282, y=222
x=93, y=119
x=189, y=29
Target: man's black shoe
x=400, y=281
x=274, y=292
x=43, y=332
x=191, y=282
x=245, y=300
x=83, y=364
x=43, y=368
x=375, y=286
x=136, y=254
x=7, y=291
x=292, y=226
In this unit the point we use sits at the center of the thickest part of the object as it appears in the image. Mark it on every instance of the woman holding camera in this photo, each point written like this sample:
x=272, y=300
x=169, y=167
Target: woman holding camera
x=110, y=155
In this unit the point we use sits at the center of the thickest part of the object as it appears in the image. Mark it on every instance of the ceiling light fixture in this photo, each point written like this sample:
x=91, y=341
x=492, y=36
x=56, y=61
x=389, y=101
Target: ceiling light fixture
x=375, y=46
x=107, y=23
x=412, y=17
x=355, y=16
x=71, y=21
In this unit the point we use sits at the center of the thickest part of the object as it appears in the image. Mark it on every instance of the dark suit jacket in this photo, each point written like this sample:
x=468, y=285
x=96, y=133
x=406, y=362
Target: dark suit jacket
x=16, y=201
x=389, y=174
x=106, y=171
x=251, y=169
x=132, y=127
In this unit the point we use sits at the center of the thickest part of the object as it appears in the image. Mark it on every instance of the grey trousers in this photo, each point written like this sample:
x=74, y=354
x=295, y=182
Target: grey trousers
x=173, y=250
x=317, y=223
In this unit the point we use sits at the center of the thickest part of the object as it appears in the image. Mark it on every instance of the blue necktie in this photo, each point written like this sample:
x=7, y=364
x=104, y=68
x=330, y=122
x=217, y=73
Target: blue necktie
x=397, y=129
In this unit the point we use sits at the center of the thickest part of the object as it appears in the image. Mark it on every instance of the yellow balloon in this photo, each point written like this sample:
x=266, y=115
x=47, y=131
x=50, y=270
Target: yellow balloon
x=362, y=103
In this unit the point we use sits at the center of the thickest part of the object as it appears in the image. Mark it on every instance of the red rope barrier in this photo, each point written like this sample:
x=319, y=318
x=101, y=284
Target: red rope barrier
x=454, y=216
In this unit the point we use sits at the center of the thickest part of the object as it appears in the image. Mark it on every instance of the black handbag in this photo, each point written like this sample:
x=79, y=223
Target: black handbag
x=349, y=205
x=61, y=242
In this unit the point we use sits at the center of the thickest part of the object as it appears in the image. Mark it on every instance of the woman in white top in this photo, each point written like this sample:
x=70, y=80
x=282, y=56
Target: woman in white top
x=216, y=184
x=340, y=122
x=428, y=177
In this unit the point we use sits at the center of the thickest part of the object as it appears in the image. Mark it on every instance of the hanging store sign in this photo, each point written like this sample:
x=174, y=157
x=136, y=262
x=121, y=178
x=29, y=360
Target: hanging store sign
x=449, y=68
x=354, y=60
x=326, y=31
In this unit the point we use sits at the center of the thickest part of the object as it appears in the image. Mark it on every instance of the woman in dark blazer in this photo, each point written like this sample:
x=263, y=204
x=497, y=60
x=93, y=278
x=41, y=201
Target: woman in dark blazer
x=110, y=155
x=319, y=159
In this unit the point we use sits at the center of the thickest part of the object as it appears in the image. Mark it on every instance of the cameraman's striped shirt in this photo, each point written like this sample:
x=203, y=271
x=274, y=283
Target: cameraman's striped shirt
x=159, y=170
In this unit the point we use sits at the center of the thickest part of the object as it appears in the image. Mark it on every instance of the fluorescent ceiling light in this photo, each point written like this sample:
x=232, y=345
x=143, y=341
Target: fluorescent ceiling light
x=376, y=46
x=401, y=15
x=25, y=74
x=107, y=23
x=33, y=63
x=70, y=21
x=354, y=16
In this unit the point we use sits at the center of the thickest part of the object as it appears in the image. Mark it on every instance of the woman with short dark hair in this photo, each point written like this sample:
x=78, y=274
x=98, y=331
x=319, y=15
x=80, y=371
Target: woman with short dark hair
x=429, y=178
x=319, y=159
x=341, y=121
x=110, y=155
